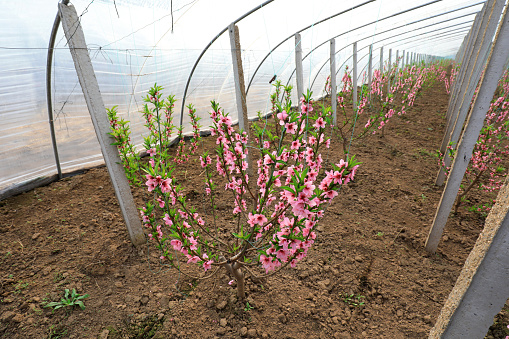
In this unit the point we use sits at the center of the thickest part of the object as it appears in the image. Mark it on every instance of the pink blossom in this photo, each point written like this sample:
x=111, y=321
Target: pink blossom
x=207, y=265
x=193, y=259
x=177, y=244
x=295, y=145
x=259, y=219
x=291, y=128
x=167, y=220
x=319, y=123
x=161, y=202
x=282, y=117
x=165, y=185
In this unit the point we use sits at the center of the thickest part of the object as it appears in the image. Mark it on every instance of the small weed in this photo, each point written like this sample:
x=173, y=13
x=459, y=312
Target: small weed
x=21, y=285
x=380, y=234
x=70, y=299
x=353, y=300
x=420, y=198
x=248, y=307
x=56, y=332
x=145, y=328
x=58, y=276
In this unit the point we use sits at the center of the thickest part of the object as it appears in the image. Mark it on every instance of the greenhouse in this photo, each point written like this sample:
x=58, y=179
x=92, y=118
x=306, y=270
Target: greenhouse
x=259, y=169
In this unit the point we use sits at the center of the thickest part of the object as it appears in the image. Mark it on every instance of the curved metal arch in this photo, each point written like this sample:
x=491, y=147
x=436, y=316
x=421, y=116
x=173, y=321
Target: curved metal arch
x=388, y=38
x=411, y=23
x=300, y=31
x=49, y=99
x=205, y=50
x=443, y=36
x=373, y=22
x=440, y=36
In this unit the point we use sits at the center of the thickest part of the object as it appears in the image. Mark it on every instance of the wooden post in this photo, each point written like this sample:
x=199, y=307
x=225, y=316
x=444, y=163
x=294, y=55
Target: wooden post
x=381, y=60
x=407, y=58
x=488, y=84
x=403, y=59
x=298, y=66
x=354, y=78
x=240, y=88
x=78, y=47
x=370, y=68
x=389, y=65
x=334, y=91
x=481, y=288
x=472, y=33
x=238, y=74
x=458, y=83
x=396, y=64
x=487, y=28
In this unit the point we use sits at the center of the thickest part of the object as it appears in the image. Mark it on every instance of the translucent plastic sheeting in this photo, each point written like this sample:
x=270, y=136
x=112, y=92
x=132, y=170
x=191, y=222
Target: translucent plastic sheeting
x=133, y=46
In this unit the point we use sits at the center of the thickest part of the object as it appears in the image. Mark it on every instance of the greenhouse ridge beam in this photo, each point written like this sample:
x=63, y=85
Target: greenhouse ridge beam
x=88, y=81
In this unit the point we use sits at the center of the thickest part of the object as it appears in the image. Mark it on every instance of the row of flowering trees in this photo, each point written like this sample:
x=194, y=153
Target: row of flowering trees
x=486, y=171
x=392, y=93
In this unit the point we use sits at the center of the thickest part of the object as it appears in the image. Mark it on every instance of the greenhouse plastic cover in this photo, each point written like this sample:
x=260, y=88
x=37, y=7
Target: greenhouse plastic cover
x=134, y=44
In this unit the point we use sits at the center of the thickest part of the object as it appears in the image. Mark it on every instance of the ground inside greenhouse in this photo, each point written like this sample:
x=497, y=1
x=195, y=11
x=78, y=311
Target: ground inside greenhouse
x=367, y=276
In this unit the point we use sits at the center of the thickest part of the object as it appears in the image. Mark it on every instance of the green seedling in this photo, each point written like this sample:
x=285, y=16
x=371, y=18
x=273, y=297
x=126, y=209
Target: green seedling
x=21, y=285
x=353, y=300
x=70, y=299
x=248, y=307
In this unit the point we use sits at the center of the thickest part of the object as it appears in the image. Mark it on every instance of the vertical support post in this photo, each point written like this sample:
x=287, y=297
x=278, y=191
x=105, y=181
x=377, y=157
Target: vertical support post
x=396, y=64
x=334, y=91
x=407, y=58
x=487, y=28
x=481, y=289
x=381, y=60
x=370, y=67
x=77, y=45
x=459, y=84
x=354, y=78
x=403, y=59
x=488, y=84
x=238, y=74
x=240, y=87
x=298, y=66
x=389, y=65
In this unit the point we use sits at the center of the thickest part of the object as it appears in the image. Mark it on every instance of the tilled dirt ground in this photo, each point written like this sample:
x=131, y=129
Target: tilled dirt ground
x=367, y=276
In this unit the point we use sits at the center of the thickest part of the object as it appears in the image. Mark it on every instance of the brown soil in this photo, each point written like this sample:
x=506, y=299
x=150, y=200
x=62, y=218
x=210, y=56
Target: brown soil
x=70, y=234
